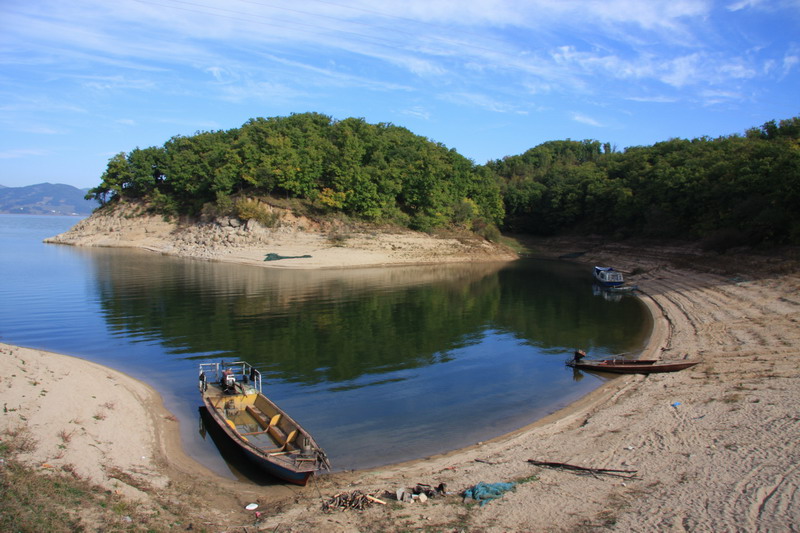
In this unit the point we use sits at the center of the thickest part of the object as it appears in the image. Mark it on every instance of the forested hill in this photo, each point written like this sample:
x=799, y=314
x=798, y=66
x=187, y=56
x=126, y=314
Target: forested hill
x=740, y=189
x=728, y=191
x=378, y=172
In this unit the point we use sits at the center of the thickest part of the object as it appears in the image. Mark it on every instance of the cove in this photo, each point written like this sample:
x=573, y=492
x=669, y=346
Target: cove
x=381, y=365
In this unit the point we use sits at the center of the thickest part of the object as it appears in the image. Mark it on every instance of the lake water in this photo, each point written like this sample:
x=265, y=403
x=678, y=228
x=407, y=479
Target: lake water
x=379, y=364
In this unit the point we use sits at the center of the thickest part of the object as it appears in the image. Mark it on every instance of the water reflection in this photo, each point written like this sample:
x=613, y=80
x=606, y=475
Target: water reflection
x=299, y=326
x=381, y=365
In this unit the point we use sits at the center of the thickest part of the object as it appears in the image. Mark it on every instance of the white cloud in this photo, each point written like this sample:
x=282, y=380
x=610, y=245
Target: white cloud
x=217, y=72
x=790, y=61
x=482, y=101
x=105, y=83
x=417, y=112
x=653, y=99
x=682, y=71
x=22, y=153
x=744, y=4
x=42, y=130
x=487, y=54
x=712, y=97
x=583, y=119
x=259, y=91
x=37, y=103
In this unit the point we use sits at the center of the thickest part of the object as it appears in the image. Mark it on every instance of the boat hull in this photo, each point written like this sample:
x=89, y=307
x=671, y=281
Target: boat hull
x=608, y=283
x=264, y=434
x=641, y=366
x=256, y=457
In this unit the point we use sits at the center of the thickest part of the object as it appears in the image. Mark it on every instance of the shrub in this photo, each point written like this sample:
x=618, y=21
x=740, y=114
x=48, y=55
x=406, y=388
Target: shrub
x=251, y=209
x=488, y=231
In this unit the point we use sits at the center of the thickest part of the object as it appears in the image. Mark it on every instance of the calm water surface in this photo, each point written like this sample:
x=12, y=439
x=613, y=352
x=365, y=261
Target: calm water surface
x=379, y=364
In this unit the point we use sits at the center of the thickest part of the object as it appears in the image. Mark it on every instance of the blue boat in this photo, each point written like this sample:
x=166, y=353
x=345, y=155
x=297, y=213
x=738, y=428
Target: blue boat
x=608, y=277
x=262, y=431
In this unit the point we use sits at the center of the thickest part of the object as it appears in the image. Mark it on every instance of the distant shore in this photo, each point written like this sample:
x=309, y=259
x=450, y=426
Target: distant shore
x=713, y=447
x=295, y=242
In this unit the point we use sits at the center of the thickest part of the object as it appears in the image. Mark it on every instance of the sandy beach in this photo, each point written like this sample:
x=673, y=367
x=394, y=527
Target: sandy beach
x=713, y=447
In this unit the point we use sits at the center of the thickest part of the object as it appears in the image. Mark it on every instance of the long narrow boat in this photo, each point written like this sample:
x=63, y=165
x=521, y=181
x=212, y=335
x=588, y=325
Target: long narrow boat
x=630, y=366
x=265, y=434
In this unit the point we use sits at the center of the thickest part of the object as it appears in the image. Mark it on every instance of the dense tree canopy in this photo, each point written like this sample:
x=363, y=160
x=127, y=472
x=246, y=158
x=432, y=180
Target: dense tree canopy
x=728, y=191
x=740, y=189
x=377, y=172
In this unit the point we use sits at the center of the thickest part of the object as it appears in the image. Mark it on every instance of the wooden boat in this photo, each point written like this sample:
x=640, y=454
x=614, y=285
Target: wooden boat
x=264, y=433
x=630, y=366
x=608, y=277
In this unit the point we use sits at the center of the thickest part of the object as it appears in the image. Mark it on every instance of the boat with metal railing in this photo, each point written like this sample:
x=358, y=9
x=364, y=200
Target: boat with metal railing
x=267, y=435
x=607, y=276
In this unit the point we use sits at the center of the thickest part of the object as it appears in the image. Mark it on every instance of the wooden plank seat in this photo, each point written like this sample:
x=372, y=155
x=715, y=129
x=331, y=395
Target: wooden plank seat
x=260, y=417
x=289, y=441
x=286, y=442
x=267, y=427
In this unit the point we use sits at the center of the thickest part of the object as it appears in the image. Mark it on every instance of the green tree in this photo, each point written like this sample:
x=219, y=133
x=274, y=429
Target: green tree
x=114, y=180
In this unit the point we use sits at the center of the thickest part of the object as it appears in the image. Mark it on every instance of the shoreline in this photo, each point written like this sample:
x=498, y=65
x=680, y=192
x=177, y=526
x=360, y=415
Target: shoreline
x=713, y=446
x=296, y=243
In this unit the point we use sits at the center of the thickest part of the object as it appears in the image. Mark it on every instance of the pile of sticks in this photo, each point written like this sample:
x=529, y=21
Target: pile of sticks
x=355, y=500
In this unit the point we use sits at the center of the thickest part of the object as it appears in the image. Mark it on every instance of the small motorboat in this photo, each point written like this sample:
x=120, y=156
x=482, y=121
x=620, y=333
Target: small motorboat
x=628, y=366
x=264, y=433
x=608, y=277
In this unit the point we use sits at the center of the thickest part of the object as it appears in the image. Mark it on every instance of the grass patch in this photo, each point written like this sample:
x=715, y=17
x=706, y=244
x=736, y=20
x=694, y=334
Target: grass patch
x=65, y=435
x=515, y=245
x=526, y=479
x=337, y=239
x=59, y=500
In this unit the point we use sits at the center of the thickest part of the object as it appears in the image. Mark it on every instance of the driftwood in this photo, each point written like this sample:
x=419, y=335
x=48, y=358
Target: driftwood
x=582, y=470
x=355, y=500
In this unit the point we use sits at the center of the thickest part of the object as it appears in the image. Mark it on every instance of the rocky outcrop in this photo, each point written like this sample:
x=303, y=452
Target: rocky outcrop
x=229, y=239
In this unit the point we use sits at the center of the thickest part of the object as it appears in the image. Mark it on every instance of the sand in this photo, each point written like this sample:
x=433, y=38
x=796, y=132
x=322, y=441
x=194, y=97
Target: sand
x=299, y=242
x=93, y=420
x=714, y=447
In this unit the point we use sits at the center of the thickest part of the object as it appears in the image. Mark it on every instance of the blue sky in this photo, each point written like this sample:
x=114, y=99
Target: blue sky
x=83, y=80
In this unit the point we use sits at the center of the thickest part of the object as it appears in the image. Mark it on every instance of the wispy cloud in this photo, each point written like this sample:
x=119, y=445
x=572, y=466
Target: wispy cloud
x=791, y=60
x=444, y=43
x=417, y=112
x=106, y=83
x=744, y=4
x=203, y=64
x=482, y=101
x=23, y=103
x=711, y=97
x=22, y=153
x=652, y=99
x=259, y=91
x=583, y=119
x=41, y=130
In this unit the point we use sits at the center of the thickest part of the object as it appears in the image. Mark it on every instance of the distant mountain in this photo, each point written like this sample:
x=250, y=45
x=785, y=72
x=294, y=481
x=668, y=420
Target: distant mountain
x=45, y=199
